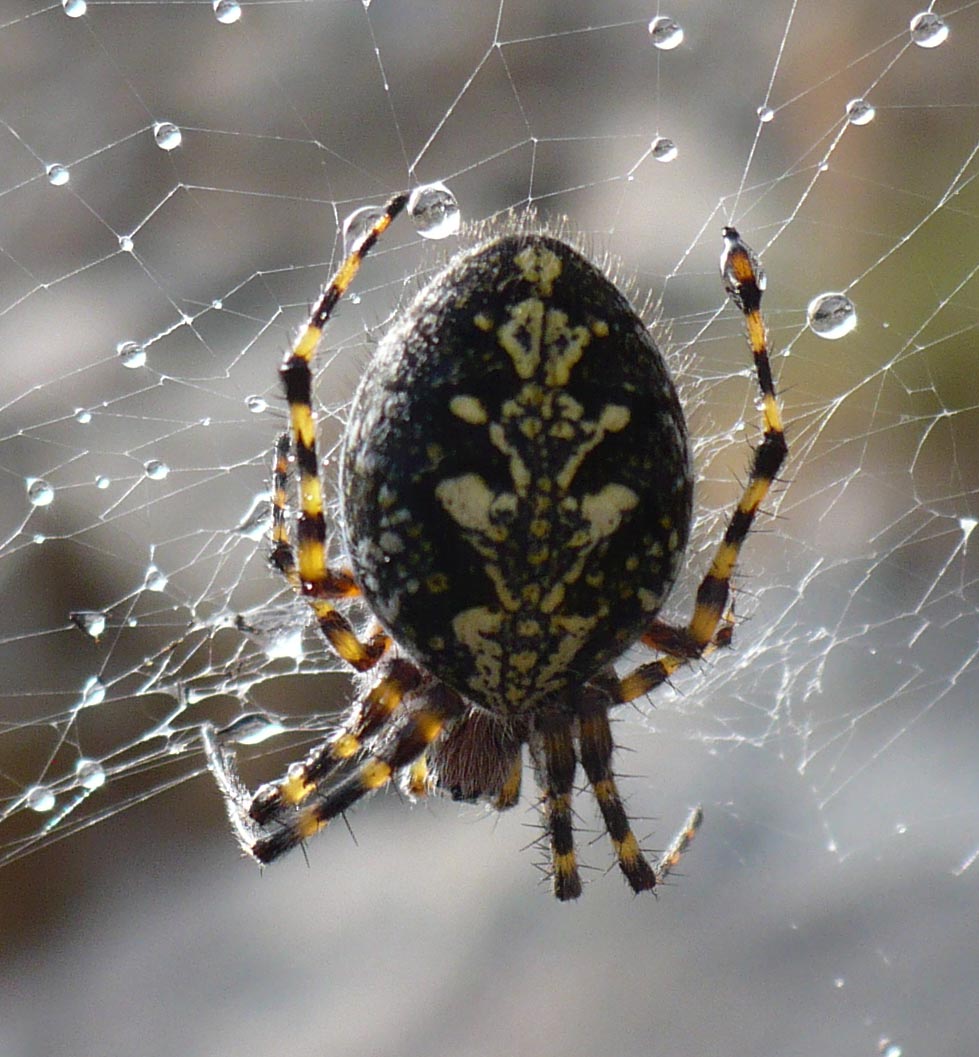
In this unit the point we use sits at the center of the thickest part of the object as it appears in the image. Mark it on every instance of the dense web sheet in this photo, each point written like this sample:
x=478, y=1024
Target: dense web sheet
x=173, y=181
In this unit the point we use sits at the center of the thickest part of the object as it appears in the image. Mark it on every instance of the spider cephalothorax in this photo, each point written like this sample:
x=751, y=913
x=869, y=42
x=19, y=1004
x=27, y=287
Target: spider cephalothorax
x=515, y=501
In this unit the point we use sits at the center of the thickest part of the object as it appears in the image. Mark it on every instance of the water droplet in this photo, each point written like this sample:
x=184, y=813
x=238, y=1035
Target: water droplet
x=90, y=774
x=886, y=1048
x=227, y=12
x=928, y=30
x=765, y=114
x=287, y=644
x=102, y=482
x=83, y=416
x=257, y=521
x=126, y=243
x=251, y=729
x=39, y=492
x=38, y=538
x=967, y=525
x=666, y=33
x=156, y=469
x=155, y=579
x=58, y=174
x=839, y=983
x=435, y=211
x=901, y=828
x=831, y=315
x=39, y=798
x=358, y=224
x=93, y=692
x=256, y=404
x=167, y=135
x=664, y=149
x=74, y=8
x=131, y=354
x=217, y=304
x=860, y=112
x=91, y=621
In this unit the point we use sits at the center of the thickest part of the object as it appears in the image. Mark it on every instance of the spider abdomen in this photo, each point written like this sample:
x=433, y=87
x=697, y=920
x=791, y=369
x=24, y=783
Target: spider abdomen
x=516, y=485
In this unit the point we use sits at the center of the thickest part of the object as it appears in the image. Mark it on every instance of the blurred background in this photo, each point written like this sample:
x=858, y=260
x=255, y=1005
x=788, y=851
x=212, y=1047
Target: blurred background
x=173, y=178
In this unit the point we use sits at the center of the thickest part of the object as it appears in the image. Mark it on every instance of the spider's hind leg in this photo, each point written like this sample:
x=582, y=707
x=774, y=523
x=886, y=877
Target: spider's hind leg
x=552, y=747
x=282, y=814
x=399, y=679
x=397, y=744
x=597, y=748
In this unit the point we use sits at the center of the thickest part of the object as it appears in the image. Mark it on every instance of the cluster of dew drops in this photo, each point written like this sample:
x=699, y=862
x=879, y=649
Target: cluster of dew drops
x=436, y=215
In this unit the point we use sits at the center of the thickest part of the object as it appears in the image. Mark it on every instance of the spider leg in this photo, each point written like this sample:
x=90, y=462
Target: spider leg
x=554, y=755
x=596, y=743
x=744, y=281
x=366, y=718
x=271, y=821
x=338, y=583
x=357, y=777
x=675, y=849
x=305, y=566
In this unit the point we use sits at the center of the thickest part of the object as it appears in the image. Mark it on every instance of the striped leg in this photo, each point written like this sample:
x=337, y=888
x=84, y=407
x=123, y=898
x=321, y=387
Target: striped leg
x=554, y=755
x=284, y=814
x=305, y=566
x=596, y=758
x=744, y=281
x=364, y=774
x=364, y=721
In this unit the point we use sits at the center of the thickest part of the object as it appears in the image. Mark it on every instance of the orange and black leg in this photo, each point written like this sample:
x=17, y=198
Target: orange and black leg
x=552, y=747
x=708, y=627
x=305, y=564
x=413, y=732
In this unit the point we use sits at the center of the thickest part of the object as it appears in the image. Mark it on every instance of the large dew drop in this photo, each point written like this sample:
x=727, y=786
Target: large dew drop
x=435, y=211
x=358, y=224
x=91, y=621
x=167, y=135
x=928, y=30
x=831, y=316
x=156, y=469
x=39, y=798
x=860, y=112
x=39, y=492
x=131, y=354
x=89, y=774
x=227, y=12
x=664, y=149
x=57, y=174
x=666, y=33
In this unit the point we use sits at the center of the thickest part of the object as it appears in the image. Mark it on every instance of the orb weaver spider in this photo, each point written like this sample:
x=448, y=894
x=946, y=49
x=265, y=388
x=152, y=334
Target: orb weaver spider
x=515, y=499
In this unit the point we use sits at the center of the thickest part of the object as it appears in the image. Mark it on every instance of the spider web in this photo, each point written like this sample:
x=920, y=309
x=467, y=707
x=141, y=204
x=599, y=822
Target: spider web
x=173, y=178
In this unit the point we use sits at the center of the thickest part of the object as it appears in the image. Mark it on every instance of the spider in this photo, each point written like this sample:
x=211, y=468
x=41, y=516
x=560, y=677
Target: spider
x=515, y=500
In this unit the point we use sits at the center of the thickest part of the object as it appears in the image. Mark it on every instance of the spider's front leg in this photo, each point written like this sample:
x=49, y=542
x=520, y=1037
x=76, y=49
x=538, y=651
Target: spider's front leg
x=304, y=564
x=311, y=576
x=744, y=282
